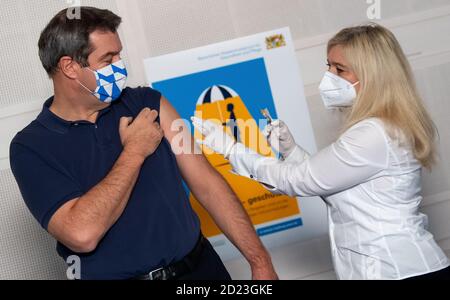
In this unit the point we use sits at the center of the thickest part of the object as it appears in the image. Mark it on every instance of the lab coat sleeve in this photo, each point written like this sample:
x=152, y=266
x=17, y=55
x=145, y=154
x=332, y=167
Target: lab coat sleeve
x=298, y=155
x=361, y=153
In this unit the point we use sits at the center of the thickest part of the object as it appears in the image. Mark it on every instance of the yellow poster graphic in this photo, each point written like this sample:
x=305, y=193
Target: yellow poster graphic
x=222, y=104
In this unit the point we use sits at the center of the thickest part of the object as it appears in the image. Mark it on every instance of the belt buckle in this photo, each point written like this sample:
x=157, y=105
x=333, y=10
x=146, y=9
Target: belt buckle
x=153, y=275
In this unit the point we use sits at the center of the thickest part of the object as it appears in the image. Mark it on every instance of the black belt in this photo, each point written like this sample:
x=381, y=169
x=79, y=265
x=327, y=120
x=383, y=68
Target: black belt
x=180, y=268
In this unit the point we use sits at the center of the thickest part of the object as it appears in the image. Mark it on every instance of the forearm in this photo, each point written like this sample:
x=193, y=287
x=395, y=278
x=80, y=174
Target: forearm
x=270, y=172
x=230, y=216
x=101, y=207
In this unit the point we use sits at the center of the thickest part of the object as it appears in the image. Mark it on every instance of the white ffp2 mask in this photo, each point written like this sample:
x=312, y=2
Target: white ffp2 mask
x=336, y=91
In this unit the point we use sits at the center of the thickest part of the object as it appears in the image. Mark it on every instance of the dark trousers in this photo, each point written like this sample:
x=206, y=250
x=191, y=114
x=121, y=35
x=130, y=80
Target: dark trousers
x=210, y=267
x=439, y=275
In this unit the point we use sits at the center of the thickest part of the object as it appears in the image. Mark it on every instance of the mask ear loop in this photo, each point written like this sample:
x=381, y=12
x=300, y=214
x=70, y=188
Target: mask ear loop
x=79, y=82
x=342, y=109
x=91, y=92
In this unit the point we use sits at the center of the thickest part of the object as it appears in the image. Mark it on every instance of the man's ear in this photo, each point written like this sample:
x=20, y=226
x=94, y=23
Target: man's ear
x=69, y=67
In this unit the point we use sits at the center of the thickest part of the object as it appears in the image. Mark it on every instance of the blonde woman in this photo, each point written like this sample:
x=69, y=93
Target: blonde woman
x=370, y=178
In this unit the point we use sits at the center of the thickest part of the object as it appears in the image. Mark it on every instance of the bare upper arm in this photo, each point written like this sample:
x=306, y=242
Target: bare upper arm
x=176, y=130
x=192, y=163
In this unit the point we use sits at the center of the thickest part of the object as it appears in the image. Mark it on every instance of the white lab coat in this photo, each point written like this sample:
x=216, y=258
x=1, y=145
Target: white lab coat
x=372, y=186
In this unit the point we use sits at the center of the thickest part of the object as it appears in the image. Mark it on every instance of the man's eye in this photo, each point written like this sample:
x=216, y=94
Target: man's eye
x=339, y=70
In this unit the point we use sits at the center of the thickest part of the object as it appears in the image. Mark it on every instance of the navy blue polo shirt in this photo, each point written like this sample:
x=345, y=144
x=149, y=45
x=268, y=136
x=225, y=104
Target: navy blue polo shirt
x=55, y=161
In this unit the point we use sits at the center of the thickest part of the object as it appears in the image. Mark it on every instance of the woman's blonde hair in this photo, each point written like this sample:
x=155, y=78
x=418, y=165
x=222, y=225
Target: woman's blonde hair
x=387, y=89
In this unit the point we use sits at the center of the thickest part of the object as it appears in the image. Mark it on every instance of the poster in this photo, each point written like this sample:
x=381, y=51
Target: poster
x=231, y=82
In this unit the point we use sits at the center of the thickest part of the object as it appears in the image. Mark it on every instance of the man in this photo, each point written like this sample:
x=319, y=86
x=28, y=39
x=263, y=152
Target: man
x=97, y=171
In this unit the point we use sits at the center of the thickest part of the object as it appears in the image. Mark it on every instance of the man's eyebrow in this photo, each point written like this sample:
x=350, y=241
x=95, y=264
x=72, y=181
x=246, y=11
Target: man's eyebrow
x=111, y=53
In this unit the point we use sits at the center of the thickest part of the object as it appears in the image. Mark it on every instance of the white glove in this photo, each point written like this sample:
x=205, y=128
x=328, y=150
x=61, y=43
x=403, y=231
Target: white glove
x=280, y=138
x=215, y=136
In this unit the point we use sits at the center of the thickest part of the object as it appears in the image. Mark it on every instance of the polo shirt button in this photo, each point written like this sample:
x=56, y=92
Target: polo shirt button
x=251, y=176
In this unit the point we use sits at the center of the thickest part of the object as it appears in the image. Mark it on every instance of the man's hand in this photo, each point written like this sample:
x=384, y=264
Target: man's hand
x=142, y=136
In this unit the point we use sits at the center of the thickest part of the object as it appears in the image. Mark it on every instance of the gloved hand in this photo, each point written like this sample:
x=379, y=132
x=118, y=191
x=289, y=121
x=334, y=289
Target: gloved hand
x=215, y=136
x=280, y=138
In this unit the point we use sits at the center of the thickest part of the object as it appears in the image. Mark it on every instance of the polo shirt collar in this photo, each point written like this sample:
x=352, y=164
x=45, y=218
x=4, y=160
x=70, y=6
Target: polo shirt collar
x=52, y=122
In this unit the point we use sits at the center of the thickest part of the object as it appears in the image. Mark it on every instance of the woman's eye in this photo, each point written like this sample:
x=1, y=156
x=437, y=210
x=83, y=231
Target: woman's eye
x=339, y=70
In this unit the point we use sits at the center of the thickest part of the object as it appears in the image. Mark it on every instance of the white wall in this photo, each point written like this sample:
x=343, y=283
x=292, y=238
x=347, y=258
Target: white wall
x=156, y=27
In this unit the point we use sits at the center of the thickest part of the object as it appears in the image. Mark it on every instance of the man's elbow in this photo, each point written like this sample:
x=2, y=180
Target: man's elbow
x=78, y=237
x=82, y=242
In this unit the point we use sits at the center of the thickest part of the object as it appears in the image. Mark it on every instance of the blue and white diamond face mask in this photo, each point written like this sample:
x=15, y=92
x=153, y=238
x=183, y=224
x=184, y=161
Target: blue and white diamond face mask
x=111, y=81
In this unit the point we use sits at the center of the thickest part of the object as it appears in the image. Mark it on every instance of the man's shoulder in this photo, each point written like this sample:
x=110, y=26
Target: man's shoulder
x=136, y=99
x=32, y=137
x=141, y=92
x=28, y=133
